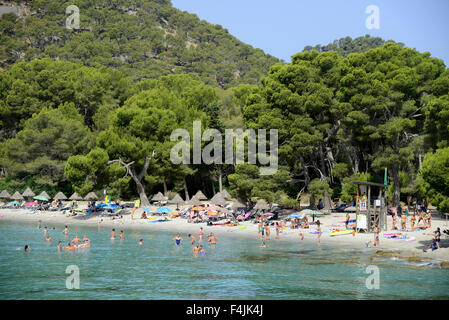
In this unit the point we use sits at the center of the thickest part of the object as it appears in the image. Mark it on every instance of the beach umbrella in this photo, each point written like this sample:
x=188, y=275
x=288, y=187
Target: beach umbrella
x=213, y=213
x=297, y=215
x=226, y=194
x=15, y=202
x=268, y=214
x=29, y=204
x=45, y=194
x=28, y=193
x=110, y=206
x=91, y=196
x=194, y=202
x=237, y=204
x=5, y=194
x=212, y=207
x=218, y=200
x=159, y=197
x=17, y=196
x=42, y=198
x=75, y=196
x=224, y=210
x=164, y=210
x=313, y=212
x=200, y=195
x=198, y=208
x=305, y=211
x=351, y=209
x=261, y=205
x=177, y=199
x=60, y=196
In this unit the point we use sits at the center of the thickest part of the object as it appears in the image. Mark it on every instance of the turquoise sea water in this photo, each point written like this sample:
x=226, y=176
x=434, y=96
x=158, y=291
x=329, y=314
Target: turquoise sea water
x=234, y=269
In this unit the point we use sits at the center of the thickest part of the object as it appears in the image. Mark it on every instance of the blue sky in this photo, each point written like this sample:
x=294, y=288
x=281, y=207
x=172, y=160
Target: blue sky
x=284, y=27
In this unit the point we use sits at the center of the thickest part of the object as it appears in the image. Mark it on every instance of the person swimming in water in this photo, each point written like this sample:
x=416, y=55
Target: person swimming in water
x=196, y=249
x=27, y=248
x=192, y=238
x=201, y=250
x=263, y=245
x=177, y=240
x=59, y=246
x=39, y=224
x=66, y=231
x=112, y=234
x=212, y=238
x=70, y=247
x=45, y=230
x=76, y=240
x=122, y=236
x=48, y=238
x=200, y=234
x=141, y=242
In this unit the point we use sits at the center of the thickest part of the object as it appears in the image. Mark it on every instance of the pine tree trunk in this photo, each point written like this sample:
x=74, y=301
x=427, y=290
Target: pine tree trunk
x=165, y=188
x=397, y=184
x=186, y=190
x=220, y=182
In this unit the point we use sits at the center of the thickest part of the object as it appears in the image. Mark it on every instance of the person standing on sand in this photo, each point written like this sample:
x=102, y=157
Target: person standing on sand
x=112, y=235
x=347, y=219
x=429, y=219
x=395, y=217
x=403, y=221
x=319, y=231
x=376, y=236
x=412, y=221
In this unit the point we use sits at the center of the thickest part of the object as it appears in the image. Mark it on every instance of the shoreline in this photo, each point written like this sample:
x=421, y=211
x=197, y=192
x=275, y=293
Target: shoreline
x=411, y=250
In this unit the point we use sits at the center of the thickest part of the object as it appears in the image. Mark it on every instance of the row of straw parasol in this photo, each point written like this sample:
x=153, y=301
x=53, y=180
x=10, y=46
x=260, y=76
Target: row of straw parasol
x=28, y=193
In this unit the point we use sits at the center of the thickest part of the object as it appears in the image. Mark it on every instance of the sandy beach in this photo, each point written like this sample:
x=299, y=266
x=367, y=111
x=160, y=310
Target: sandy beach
x=412, y=250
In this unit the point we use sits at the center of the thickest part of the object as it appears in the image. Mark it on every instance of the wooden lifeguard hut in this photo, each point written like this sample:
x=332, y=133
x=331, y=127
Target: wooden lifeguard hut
x=369, y=215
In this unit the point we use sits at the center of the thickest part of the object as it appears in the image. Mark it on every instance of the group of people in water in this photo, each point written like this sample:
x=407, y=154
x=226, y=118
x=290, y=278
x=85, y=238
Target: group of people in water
x=77, y=243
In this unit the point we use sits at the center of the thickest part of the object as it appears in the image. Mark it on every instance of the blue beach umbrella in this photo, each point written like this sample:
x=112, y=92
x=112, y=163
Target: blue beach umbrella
x=164, y=210
x=15, y=202
x=296, y=215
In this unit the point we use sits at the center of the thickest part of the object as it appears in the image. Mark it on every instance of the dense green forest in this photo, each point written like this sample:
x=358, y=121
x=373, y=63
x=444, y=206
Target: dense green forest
x=141, y=38
x=76, y=117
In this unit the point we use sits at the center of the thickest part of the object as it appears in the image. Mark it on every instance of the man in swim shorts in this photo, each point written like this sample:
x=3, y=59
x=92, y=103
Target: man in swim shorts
x=196, y=249
x=48, y=238
x=112, y=235
x=192, y=238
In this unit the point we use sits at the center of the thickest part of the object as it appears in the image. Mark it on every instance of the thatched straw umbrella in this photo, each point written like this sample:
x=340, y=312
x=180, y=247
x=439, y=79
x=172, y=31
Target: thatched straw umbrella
x=28, y=193
x=200, y=196
x=218, y=200
x=60, y=196
x=261, y=205
x=45, y=194
x=177, y=200
x=17, y=196
x=237, y=204
x=159, y=197
x=226, y=194
x=75, y=196
x=194, y=202
x=5, y=194
x=91, y=196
